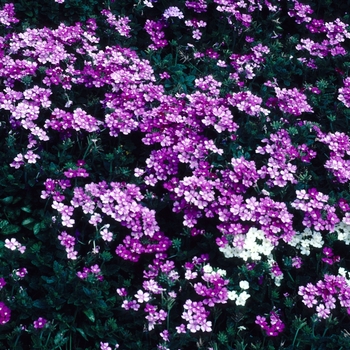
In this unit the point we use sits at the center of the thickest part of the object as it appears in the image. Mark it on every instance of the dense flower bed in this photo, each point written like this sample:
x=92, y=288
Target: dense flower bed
x=175, y=175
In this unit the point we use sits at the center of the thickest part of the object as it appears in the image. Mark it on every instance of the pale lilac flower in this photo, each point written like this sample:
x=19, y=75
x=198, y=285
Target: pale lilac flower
x=173, y=11
x=12, y=244
x=165, y=335
x=322, y=311
x=142, y=297
x=106, y=235
x=181, y=328
x=31, y=157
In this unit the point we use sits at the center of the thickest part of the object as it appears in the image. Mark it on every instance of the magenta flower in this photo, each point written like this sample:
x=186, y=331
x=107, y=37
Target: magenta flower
x=276, y=325
x=5, y=313
x=40, y=323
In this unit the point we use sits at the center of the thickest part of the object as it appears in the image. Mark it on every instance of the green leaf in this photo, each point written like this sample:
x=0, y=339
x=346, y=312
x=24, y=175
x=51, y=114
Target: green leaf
x=3, y=223
x=90, y=314
x=49, y=280
x=36, y=228
x=26, y=209
x=27, y=223
x=10, y=229
x=60, y=340
x=87, y=291
x=7, y=200
x=82, y=333
x=40, y=304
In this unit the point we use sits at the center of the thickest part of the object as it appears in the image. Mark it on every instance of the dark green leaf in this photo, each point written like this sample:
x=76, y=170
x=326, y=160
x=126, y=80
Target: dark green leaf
x=90, y=314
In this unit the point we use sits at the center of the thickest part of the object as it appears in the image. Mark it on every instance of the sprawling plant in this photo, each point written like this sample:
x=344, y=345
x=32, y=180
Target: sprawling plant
x=175, y=175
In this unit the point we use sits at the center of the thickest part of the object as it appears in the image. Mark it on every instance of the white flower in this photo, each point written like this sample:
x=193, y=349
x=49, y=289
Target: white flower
x=244, y=285
x=242, y=298
x=343, y=231
x=227, y=251
x=207, y=268
x=221, y=272
x=232, y=295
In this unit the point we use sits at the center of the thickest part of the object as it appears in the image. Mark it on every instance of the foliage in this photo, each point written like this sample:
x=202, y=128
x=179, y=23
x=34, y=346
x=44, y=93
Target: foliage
x=174, y=174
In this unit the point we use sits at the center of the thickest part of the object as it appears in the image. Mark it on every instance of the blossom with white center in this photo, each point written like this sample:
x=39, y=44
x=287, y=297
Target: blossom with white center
x=106, y=235
x=31, y=157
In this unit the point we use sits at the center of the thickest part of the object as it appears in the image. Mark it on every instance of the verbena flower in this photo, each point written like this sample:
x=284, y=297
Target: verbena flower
x=40, y=323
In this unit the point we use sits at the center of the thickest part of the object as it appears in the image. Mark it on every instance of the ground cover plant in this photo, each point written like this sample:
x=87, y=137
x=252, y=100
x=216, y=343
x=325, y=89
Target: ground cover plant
x=174, y=174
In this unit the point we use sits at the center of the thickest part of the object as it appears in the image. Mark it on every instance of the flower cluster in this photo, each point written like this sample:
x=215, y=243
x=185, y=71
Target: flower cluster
x=154, y=29
x=248, y=103
x=339, y=145
x=242, y=297
x=121, y=24
x=68, y=242
x=290, y=101
x=343, y=232
x=105, y=346
x=196, y=316
x=7, y=15
x=92, y=270
x=247, y=65
x=145, y=163
x=336, y=33
x=300, y=12
x=173, y=11
x=197, y=6
x=325, y=293
x=252, y=245
x=13, y=244
x=279, y=170
x=344, y=93
x=305, y=240
x=214, y=290
x=276, y=325
x=329, y=256
x=317, y=212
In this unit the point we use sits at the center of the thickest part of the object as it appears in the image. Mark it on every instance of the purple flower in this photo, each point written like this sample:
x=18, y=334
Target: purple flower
x=5, y=313
x=21, y=272
x=276, y=325
x=120, y=24
x=40, y=323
